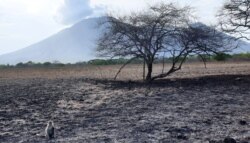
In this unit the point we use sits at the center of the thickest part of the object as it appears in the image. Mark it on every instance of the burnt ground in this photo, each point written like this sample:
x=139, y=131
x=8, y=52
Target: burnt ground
x=198, y=110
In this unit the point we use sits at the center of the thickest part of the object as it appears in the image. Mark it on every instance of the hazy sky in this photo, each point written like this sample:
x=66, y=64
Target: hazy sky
x=24, y=22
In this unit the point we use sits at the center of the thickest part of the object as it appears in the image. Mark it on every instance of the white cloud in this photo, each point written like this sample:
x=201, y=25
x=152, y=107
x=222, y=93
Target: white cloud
x=24, y=22
x=205, y=10
x=74, y=10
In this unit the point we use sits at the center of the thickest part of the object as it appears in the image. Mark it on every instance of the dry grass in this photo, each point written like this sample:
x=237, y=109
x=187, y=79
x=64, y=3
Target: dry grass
x=131, y=72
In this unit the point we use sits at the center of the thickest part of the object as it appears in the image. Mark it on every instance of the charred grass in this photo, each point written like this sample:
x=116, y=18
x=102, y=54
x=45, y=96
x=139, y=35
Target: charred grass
x=201, y=105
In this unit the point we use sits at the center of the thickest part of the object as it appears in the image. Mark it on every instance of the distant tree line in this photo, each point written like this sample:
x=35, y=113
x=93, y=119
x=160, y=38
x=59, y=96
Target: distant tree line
x=214, y=58
x=102, y=62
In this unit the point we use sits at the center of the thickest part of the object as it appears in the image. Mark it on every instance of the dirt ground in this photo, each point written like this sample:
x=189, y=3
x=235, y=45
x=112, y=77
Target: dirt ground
x=200, y=106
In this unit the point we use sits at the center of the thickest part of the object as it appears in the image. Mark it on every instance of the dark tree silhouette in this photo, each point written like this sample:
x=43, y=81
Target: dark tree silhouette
x=196, y=39
x=163, y=28
x=234, y=18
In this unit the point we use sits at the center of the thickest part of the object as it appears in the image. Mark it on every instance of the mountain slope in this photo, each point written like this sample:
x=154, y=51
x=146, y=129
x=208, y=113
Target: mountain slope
x=73, y=44
x=243, y=46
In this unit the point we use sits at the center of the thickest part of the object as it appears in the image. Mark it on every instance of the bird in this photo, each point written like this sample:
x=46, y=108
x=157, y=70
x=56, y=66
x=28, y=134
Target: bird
x=229, y=140
x=49, y=130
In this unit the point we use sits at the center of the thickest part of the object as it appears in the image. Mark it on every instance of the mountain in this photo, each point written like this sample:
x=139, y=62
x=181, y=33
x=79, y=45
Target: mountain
x=242, y=45
x=70, y=45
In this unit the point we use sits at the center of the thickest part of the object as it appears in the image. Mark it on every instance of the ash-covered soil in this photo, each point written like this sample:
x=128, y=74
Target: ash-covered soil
x=198, y=110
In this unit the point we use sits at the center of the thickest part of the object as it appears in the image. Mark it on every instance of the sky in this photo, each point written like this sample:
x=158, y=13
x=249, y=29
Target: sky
x=25, y=22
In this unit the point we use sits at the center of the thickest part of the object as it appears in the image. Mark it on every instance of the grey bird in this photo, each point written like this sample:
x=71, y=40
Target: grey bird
x=49, y=131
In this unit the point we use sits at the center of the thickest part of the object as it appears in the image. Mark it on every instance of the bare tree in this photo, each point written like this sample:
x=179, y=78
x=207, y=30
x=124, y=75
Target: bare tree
x=142, y=35
x=163, y=28
x=234, y=18
x=196, y=39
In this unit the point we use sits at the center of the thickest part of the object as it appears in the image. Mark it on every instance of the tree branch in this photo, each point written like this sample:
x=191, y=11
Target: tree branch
x=129, y=61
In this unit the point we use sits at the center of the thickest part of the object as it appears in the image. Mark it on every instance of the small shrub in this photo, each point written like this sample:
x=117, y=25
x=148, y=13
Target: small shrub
x=222, y=57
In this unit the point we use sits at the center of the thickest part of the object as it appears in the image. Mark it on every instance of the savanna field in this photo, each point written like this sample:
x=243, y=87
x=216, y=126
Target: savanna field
x=194, y=105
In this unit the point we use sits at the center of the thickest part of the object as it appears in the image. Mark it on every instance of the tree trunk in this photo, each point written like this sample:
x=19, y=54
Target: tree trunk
x=144, y=65
x=150, y=70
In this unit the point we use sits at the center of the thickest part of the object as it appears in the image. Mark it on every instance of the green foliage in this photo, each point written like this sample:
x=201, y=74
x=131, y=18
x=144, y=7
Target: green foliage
x=5, y=66
x=221, y=57
x=20, y=65
x=242, y=56
x=97, y=62
x=46, y=64
x=107, y=62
